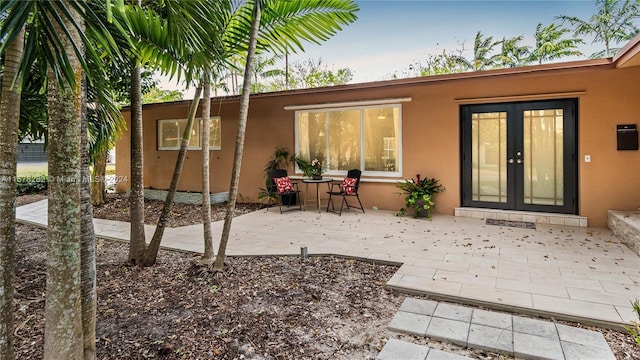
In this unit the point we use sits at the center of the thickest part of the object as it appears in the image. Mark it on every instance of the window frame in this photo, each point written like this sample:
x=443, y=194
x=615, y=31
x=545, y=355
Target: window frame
x=198, y=124
x=361, y=108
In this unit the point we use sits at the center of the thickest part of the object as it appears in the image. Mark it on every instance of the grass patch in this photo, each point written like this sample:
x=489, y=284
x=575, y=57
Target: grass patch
x=32, y=170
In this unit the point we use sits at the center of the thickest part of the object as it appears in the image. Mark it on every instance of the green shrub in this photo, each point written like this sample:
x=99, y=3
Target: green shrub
x=31, y=184
x=634, y=329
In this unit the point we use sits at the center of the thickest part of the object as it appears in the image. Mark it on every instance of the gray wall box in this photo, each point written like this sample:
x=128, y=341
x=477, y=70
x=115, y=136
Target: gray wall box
x=627, y=137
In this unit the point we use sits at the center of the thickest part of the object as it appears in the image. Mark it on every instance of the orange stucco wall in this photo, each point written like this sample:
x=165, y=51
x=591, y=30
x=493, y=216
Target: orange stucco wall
x=430, y=132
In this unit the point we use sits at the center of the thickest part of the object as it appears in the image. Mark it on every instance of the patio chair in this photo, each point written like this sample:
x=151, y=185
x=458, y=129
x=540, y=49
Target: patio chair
x=348, y=188
x=286, y=191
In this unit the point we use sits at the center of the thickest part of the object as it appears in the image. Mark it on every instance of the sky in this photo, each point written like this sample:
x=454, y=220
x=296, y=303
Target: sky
x=389, y=35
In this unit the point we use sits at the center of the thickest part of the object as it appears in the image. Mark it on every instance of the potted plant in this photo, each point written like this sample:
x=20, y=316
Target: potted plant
x=311, y=169
x=419, y=195
x=281, y=159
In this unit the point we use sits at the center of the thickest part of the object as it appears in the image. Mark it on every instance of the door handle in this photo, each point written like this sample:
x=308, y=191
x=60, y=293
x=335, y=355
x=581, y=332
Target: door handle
x=520, y=161
x=510, y=161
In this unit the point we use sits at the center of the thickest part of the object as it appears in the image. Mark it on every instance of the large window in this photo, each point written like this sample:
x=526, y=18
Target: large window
x=365, y=137
x=170, y=132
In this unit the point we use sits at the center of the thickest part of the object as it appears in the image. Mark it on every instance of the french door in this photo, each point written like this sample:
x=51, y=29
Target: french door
x=520, y=156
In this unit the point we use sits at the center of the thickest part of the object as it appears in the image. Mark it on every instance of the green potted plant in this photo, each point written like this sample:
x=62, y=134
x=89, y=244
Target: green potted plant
x=310, y=169
x=419, y=195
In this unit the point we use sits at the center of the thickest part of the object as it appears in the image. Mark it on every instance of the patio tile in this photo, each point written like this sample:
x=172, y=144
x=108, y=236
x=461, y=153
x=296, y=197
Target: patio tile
x=429, y=285
x=597, y=297
x=417, y=271
x=536, y=347
x=504, y=297
x=492, y=318
x=576, y=308
x=410, y=323
x=627, y=314
x=465, y=278
x=534, y=288
x=581, y=336
x=441, y=355
x=453, y=312
x=573, y=351
x=449, y=330
x=490, y=339
x=418, y=306
x=397, y=349
x=536, y=327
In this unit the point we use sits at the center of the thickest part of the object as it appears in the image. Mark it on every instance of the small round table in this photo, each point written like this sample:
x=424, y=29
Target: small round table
x=326, y=180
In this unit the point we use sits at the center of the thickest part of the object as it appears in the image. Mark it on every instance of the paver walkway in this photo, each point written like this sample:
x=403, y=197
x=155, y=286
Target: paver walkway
x=507, y=334
x=583, y=274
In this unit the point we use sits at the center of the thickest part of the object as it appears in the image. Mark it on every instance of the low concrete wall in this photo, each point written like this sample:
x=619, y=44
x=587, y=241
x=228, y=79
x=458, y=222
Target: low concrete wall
x=194, y=198
x=626, y=226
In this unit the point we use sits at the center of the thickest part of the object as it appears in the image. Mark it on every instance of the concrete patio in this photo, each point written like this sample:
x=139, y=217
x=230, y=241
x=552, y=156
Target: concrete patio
x=571, y=273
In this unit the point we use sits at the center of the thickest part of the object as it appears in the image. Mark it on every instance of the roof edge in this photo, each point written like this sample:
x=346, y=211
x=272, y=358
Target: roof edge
x=628, y=52
x=571, y=65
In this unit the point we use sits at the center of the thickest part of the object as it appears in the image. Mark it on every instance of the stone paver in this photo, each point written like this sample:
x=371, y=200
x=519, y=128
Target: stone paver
x=572, y=273
x=396, y=349
x=507, y=334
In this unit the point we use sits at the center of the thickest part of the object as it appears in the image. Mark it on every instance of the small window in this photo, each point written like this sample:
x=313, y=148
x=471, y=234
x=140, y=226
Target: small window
x=170, y=133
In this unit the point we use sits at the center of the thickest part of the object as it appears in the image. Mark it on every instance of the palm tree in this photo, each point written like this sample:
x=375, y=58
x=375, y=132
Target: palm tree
x=316, y=21
x=9, y=120
x=482, y=48
x=512, y=53
x=242, y=125
x=56, y=40
x=551, y=46
x=612, y=23
x=63, y=316
x=207, y=256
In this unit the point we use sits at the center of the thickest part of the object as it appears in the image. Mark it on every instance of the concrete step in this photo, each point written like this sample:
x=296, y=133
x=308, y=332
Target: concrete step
x=502, y=333
x=396, y=349
x=626, y=226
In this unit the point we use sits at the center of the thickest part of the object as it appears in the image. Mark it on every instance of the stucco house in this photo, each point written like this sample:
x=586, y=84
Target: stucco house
x=546, y=143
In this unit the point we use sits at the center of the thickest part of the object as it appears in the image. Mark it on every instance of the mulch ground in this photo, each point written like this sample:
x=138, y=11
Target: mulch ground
x=258, y=308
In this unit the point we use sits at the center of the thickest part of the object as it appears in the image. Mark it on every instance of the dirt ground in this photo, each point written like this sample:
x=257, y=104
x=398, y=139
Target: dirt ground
x=259, y=308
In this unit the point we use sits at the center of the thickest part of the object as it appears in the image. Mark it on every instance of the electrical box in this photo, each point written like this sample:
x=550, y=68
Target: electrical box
x=627, y=136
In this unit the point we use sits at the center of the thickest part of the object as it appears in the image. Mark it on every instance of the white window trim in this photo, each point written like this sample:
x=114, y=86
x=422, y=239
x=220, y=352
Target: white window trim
x=197, y=122
x=370, y=104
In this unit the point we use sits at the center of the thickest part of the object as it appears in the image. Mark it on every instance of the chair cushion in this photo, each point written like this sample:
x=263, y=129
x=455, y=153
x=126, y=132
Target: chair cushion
x=283, y=184
x=348, y=184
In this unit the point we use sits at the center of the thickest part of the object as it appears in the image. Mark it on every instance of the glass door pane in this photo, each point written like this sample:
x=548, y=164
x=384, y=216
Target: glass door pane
x=489, y=157
x=543, y=135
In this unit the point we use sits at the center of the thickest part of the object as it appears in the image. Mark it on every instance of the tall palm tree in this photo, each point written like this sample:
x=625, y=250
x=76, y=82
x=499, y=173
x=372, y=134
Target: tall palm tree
x=207, y=256
x=9, y=120
x=550, y=44
x=56, y=37
x=612, y=23
x=316, y=21
x=63, y=316
x=242, y=126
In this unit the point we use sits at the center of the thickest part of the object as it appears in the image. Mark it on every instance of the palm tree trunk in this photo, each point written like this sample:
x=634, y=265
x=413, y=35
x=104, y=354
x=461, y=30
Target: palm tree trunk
x=242, y=126
x=88, y=248
x=137, y=242
x=63, y=307
x=151, y=253
x=9, y=119
x=97, y=176
x=206, y=197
